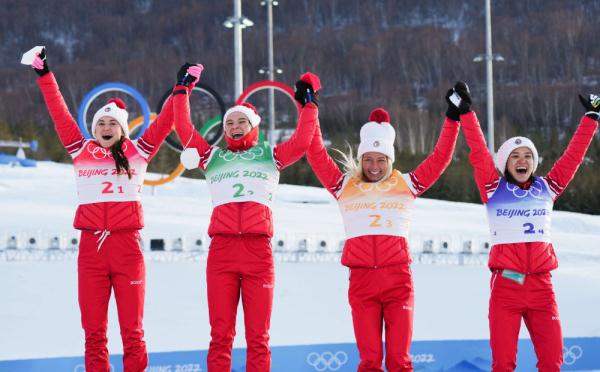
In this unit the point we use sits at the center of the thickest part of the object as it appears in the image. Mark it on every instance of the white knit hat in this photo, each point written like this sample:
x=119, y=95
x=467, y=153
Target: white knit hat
x=377, y=135
x=509, y=146
x=247, y=109
x=116, y=109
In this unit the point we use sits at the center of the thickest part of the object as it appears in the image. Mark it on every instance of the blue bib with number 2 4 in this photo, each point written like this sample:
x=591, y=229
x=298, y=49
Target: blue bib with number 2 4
x=516, y=215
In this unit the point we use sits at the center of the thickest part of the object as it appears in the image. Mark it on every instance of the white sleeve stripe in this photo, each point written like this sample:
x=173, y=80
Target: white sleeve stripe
x=80, y=150
x=549, y=183
x=78, y=142
x=345, y=178
x=410, y=184
x=145, y=143
x=495, y=183
x=205, y=157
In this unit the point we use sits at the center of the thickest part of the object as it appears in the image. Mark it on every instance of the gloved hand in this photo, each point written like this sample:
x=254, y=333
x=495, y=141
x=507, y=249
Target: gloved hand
x=307, y=89
x=40, y=64
x=462, y=89
x=188, y=74
x=591, y=105
x=452, y=112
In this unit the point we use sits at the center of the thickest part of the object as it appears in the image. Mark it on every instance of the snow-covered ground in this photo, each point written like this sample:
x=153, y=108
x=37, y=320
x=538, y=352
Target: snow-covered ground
x=40, y=316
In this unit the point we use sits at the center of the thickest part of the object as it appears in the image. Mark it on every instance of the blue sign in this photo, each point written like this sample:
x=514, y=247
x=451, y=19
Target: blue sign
x=428, y=356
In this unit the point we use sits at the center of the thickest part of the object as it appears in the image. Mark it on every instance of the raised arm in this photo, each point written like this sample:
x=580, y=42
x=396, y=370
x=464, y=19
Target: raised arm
x=66, y=127
x=486, y=175
x=290, y=151
x=565, y=167
x=323, y=165
x=430, y=169
x=159, y=129
x=197, y=150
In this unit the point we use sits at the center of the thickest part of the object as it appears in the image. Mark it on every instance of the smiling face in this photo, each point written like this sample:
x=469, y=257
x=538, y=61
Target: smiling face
x=374, y=166
x=237, y=125
x=108, y=131
x=520, y=164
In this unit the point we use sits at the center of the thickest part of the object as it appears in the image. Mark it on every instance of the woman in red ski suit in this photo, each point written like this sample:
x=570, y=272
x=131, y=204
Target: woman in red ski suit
x=242, y=179
x=376, y=202
x=109, y=172
x=519, y=207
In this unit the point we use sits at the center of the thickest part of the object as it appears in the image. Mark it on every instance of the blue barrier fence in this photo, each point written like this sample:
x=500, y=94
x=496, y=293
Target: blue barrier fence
x=580, y=354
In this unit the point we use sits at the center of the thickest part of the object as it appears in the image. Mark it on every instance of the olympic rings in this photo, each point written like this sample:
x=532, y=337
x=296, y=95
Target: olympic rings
x=174, y=174
x=206, y=128
x=571, y=354
x=107, y=87
x=266, y=84
x=327, y=361
x=384, y=186
x=535, y=190
x=250, y=154
x=146, y=117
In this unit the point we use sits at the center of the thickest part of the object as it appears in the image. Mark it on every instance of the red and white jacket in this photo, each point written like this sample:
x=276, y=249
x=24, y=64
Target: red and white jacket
x=532, y=257
x=374, y=251
x=243, y=217
x=107, y=201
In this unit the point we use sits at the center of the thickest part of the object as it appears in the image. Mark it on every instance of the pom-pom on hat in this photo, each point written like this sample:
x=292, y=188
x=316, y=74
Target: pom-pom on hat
x=509, y=146
x=116, y=109
x=247, y=109
x=377, y=135
x=312, y=80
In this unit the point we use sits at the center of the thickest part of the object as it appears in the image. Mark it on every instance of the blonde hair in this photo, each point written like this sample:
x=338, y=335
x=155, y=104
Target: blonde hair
x=353, y=166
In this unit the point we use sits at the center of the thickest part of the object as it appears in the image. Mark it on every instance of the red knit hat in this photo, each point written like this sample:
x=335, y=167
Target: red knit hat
x=247, y=109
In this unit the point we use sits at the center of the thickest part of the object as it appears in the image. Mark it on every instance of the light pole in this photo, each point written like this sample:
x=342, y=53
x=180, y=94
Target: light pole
x=489, y=57
x=237, y=22
x=270, y=70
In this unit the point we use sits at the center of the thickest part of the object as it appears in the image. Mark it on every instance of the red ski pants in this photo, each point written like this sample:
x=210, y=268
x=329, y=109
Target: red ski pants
x=534, y=302
x=240, y=265
x=117, y=264
x=377, y=297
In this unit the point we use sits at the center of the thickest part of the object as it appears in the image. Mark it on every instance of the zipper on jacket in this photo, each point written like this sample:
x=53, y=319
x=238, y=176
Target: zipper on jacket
x=374, y=253
x=527, y=268
x=240, y=232
x=105, y=216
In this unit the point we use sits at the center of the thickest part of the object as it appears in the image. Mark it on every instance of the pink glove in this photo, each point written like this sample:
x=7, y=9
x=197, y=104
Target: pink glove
x=38, y=63
x=195, y=71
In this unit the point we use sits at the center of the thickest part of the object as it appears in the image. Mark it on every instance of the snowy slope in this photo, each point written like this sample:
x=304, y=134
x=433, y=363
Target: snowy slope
x=39, y=299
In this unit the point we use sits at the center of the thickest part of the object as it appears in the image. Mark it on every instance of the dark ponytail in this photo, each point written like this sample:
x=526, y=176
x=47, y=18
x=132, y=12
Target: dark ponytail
x=121, y=161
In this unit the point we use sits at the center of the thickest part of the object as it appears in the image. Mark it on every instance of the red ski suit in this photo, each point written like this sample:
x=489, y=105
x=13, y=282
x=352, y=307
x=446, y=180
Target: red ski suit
x=240, y=260
x=381, y=287
x=534, y=300
x=109, y=215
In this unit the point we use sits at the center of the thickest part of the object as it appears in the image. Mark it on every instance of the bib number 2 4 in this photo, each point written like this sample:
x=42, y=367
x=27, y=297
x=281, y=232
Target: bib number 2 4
x=530, y=229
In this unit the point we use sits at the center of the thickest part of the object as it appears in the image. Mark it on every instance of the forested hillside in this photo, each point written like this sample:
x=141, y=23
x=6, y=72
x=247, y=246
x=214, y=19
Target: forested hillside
x=397, y=54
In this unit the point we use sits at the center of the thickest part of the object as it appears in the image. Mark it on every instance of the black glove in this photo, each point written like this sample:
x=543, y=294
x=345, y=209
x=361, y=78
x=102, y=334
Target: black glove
x=304, y=93
x=43, y=71
x=183, y=78
x=452, y=112
x=591, y=105
x=462, y=89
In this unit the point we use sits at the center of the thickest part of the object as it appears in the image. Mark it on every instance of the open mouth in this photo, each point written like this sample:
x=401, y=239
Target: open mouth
x=237, y=135
x=521, y=170
x=107, y=137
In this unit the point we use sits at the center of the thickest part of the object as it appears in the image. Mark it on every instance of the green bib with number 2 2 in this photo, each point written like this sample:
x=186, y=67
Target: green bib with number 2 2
x=243, y=176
